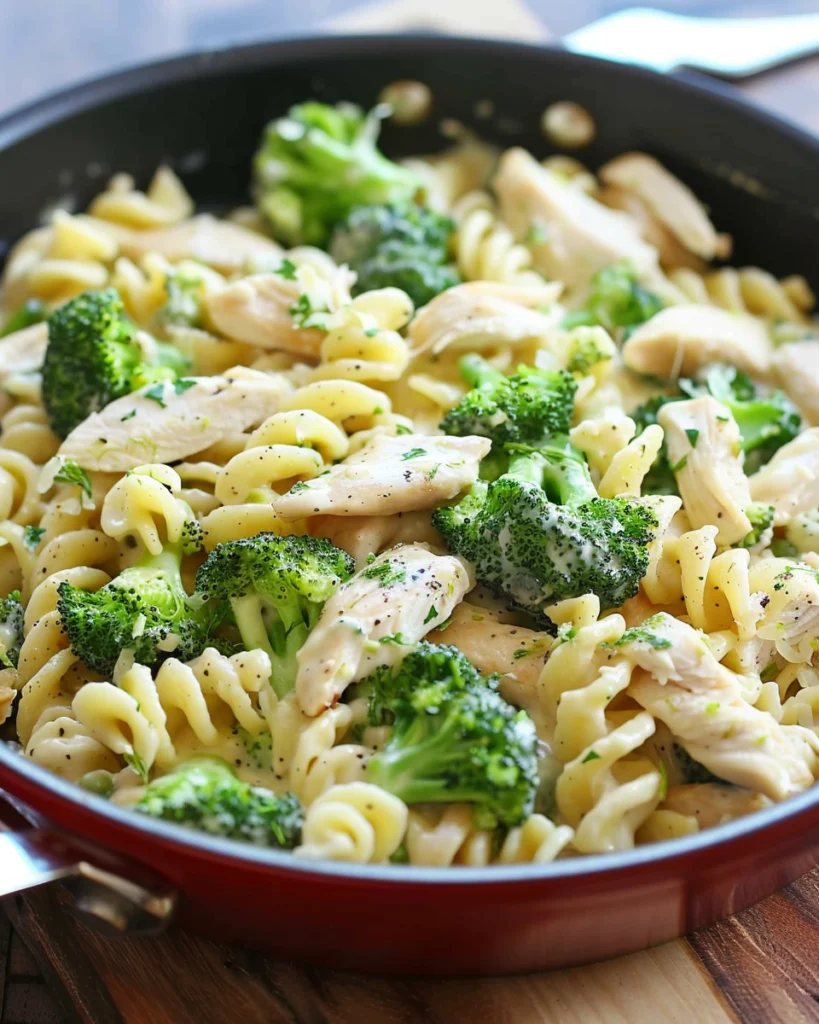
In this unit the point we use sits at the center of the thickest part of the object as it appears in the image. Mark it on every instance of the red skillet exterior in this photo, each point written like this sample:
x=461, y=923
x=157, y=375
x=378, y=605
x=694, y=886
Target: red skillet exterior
x=493, y=921
x=395, y=919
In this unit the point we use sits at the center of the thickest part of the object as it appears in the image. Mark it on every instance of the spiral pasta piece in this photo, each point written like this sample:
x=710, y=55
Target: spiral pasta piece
x=485, y=248
x=355, y=822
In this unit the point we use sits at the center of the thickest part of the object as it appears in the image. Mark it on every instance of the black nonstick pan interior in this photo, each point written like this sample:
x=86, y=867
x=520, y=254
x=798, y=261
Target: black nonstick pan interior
x=204, y=113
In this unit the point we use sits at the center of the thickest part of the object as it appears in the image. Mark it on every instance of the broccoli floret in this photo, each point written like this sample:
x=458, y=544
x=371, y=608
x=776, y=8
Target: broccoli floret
x=540, y=533
x=802, y=533
x=617, y=300
x=11, y=629
x=145, y=609
x=32, y=311
x=277, y=587
x=402, y=245
x=766, y=419
x=183, y=288
x=206, y=794
x=453, y=737
x=761, y=518
x=93, y=358
x=584, y=351
x=317, y=163
x=526, y=408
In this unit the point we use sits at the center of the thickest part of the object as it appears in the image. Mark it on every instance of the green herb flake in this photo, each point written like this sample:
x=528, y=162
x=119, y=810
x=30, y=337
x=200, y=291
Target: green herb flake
x=413, y=453
x=298, y=487
x=134, y=761
x=156, y=393
x=770, y=672
x=680, y=465
x=434, y=471
x=712, y=708
x=371, y=332
x=591, y=756
x=692, y=434
x=181, y=386
x=385, y=573
x=128, y=416
x=401, y=428
x=395, y=638
x=433, y=611
x=32, y=535
x=71, y=473
x=287, y=270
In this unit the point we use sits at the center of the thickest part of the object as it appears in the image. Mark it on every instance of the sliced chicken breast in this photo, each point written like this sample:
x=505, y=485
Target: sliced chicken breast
x=165, y=423
x=703, y=448
x=220, y=244
x=376, y=618
x=790, y=481
x=581, y=236
x=679, y=681
x=388, y=475
x=679, y=340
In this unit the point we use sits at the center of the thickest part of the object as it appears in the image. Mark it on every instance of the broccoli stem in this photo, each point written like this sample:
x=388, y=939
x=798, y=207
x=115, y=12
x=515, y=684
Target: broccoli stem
x=248, y=614
x=557, y=470
x=477, y=372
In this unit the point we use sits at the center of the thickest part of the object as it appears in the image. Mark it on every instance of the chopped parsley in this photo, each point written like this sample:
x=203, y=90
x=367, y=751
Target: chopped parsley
x=385, y=573
x=395, y=638
x=591, y=756
x=712, y=708
x=641, y=635
x=770, y=672
x=128, y=416
x=32, y=535
x=138, y=764
x=156, y=393
x=434, y=471
x=181, y=386
x=298, y=487
x=692, y=434
x=287, y=270
x=70, y=473
x=413, y=453
x=680, y=465
x=371, y=332
x=301, y=310
x=401, y=428
x=433, y=611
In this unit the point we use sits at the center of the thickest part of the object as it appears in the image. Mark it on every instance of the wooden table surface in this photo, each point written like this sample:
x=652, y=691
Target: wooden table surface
x=761, y=966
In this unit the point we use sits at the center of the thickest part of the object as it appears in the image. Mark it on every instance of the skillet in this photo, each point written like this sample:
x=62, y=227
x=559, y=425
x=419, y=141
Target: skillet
x=203, y=113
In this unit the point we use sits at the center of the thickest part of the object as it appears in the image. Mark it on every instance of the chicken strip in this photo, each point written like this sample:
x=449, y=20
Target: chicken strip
x=375, y=619
x=678, y=341
x=581, y=236
x=516, y=653
x=679, y=681
x=791, y=606
x=703, y=448
x=796, y=365
x=163, y=423
x=790, y=481
x=671, y=202
x=219, y=244
x=258, y=309
x=390, y=474
x=23, y=351
x=483, y=314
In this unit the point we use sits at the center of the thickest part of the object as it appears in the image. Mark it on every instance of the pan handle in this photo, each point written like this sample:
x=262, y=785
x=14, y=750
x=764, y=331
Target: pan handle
x=109, y=891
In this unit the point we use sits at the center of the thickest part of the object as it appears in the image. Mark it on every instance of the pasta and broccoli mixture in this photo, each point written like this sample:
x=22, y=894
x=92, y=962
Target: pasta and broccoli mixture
x=455, y=511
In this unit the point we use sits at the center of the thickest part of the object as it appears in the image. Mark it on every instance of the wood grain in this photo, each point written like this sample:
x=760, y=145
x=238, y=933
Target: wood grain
x=760, y=967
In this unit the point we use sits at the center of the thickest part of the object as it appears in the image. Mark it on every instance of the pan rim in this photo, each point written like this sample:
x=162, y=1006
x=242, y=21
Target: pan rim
x=59, y=105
